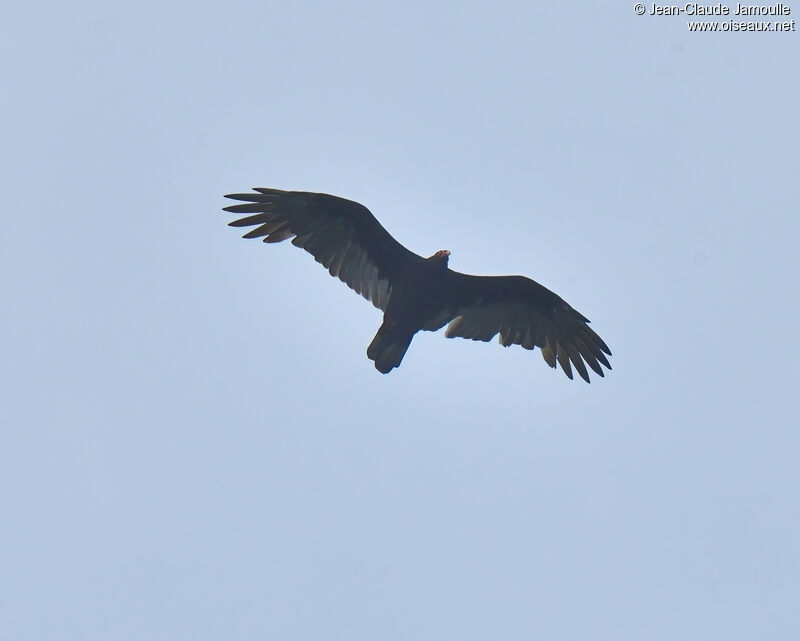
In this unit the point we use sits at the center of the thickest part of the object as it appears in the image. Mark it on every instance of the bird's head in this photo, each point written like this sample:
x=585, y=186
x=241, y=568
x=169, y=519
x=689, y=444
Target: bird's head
x=441, y=256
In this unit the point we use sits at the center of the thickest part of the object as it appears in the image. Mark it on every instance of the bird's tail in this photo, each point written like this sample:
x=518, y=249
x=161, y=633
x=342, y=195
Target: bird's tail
x=388, y=347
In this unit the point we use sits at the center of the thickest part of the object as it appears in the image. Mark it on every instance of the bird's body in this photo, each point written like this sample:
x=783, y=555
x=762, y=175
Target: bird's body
x=416, y=293
x=411, y=308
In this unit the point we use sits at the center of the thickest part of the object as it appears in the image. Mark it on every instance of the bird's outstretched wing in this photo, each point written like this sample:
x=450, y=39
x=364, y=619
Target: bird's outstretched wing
x=341, y=234
x=525, y=313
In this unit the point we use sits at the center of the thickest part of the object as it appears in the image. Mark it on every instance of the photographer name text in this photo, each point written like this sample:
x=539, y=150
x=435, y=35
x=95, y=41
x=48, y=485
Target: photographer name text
x=719, y=9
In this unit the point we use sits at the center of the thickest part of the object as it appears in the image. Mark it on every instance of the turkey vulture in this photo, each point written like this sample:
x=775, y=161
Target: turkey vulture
x=417, y=293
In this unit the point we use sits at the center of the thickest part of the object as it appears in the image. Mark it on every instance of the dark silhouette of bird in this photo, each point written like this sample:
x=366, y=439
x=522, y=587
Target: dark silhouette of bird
x=417, y=293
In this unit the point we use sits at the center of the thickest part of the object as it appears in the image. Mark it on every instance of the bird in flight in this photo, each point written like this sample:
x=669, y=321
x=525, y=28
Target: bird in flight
x=416, y=293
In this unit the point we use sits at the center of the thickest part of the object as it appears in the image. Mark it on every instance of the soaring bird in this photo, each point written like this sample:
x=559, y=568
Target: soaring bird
x=416, y=293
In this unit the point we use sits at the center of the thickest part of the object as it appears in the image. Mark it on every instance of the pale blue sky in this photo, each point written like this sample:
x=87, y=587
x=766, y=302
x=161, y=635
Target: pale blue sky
x=194, y=444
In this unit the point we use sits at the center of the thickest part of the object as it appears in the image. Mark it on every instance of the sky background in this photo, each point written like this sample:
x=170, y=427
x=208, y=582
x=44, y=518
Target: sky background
x=194, y=444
